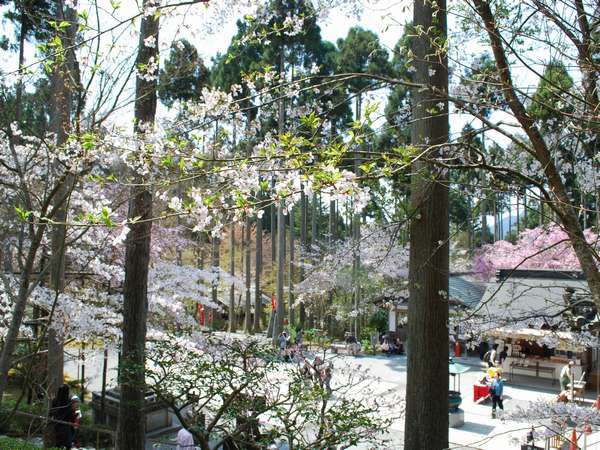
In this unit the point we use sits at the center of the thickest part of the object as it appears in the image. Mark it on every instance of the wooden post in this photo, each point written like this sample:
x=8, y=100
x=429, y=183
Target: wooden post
x=103, y=393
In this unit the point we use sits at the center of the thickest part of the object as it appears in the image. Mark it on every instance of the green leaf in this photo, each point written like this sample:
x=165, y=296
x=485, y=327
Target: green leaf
x=23, y=215
x=311, y=121
x=105, y=217
x=88, y=140
x=367, y=167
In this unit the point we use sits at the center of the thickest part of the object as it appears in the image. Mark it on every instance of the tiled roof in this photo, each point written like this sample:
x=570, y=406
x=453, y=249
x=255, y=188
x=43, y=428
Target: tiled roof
x=467, y=292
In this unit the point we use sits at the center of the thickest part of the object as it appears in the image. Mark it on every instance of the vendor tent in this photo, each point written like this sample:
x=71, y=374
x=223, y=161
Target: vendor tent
x=565, y=340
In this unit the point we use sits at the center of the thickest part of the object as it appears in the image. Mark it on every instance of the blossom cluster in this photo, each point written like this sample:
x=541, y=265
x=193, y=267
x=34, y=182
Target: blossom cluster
x=542, y=248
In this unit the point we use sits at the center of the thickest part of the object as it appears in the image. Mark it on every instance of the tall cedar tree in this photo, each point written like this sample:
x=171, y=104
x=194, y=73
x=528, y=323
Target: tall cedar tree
x=426, y=397
x=131, y=422
x=183, y=75
x=64, y=87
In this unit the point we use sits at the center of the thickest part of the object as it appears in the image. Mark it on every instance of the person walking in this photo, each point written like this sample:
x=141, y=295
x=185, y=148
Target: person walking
x=61, y=411
x=503, y=355
x=299, y=338
x=490, y=356
x=326, y=375
x=282, y=340
x=185, y=440
x=497, y=392
x=566, y=376
x=75, y=405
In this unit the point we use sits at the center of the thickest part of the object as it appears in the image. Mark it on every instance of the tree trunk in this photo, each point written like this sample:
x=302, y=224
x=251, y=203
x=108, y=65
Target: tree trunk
x=583, y=210
x=18, y=312
x=258, y=270
x=291, y=306
x=356, y=234
x=278, y=328
x=509, y=217
x=331, y=238
x=247, y=270
x=518, y=214
x=313, y=220
x=280, y=312
x=132, y=420
x=495, y=209
x=484, y=224
x=312, y=247
x=303, y=229
x=356, y=293
x=426, y=419
x=331, y=230
x=62, y=87
x=215, y=262
x=273, y=210
x=525, y=209
x=22, y=38
x=231, y=321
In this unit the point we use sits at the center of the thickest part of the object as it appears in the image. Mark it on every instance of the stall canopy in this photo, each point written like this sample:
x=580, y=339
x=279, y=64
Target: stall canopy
x=566, y=340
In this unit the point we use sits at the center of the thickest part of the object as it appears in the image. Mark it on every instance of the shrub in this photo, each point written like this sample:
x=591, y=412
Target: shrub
x=379, y=321
x=8, y=443
x=19, y=425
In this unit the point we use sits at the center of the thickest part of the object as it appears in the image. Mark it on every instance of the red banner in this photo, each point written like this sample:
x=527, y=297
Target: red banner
x=273, y=302
x=200, y=311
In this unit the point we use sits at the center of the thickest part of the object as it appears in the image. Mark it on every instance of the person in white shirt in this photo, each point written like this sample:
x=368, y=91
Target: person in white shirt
x=566, y=375
x=493, y=356
x=185, y=440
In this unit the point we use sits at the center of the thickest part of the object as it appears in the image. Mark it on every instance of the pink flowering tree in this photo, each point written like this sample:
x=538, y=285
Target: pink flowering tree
x=538, y=248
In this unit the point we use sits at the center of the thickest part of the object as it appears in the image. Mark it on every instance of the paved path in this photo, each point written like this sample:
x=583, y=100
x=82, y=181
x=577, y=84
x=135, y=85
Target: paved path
x=480, y=430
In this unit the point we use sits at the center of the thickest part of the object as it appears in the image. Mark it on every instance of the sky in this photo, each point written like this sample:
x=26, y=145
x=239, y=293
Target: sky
x=384, y=17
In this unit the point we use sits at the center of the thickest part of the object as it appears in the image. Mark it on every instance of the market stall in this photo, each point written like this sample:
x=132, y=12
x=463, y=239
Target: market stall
x=540, y=353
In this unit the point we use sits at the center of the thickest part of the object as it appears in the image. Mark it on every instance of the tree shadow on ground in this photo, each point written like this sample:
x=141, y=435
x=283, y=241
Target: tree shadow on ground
x=478, y=428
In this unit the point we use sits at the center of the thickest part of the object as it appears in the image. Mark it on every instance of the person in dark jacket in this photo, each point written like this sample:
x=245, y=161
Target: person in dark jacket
x=497, y=393
x=61, y=411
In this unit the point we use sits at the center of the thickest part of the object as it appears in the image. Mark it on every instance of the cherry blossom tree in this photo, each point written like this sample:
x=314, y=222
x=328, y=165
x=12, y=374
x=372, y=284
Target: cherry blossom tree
x=540, y=248
x=236, y=391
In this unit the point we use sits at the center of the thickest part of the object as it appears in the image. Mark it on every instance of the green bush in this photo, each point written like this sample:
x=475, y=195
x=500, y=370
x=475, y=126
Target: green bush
x=366, y=332
x=19, y=425
x=379, y=321
x=309, y=334
x=367, y=347
x=292, y=332
x=8, y=443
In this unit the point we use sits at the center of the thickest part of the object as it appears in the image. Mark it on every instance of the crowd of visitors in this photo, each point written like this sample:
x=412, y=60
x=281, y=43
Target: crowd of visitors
x=290, y=350
x=391, y=346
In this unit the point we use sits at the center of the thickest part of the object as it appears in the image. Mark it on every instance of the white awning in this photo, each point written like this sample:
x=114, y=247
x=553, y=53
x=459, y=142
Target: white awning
x=565, y=339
